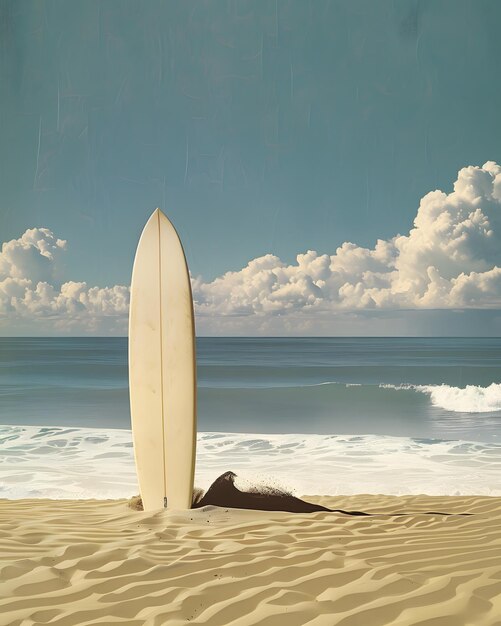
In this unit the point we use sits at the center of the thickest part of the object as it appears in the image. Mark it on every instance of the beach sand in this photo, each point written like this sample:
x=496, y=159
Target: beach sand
x=99, y=562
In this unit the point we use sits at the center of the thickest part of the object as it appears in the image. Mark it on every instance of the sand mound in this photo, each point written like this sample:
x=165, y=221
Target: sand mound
x=224, y=493
x=99, y=562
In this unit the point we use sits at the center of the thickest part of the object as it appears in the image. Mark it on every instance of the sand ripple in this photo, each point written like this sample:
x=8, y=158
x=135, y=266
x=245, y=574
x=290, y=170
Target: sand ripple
x=97, y=562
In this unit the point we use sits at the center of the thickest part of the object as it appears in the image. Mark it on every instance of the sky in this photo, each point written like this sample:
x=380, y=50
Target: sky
x=330, y=166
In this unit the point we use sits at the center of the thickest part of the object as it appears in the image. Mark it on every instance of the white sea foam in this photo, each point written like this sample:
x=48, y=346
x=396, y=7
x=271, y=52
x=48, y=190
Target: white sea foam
x=63, y=463
x=469, y=399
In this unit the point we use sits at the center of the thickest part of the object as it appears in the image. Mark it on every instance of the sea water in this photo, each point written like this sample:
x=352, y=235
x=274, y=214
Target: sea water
x=313, y=415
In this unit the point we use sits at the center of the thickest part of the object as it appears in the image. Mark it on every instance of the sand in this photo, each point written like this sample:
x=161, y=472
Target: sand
x=99, y=562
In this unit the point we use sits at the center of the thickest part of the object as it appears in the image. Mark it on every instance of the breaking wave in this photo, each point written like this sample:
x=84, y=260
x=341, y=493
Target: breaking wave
x=469, y=399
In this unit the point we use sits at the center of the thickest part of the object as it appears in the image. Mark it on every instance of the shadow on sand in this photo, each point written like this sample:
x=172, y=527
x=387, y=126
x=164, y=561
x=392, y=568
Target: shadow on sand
x=224, y=493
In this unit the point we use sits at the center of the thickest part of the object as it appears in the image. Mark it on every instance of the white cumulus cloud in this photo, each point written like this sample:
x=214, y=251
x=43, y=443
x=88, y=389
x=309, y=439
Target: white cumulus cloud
x=30, y=289
x=450, y=259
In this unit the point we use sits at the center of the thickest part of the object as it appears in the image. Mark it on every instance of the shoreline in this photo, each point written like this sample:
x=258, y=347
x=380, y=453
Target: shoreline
x=74, y=462
x=98, y=561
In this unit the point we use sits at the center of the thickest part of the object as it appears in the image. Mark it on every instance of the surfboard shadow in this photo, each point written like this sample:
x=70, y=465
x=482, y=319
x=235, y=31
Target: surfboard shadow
x=224, y=493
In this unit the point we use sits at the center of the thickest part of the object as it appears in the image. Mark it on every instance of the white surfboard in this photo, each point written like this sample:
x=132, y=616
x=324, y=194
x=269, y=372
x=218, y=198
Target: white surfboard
x=162, y=368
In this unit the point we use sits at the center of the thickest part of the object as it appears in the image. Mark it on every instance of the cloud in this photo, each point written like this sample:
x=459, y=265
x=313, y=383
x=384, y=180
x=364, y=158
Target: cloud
x=30, y=290
x=32, y=256
x=450, y=259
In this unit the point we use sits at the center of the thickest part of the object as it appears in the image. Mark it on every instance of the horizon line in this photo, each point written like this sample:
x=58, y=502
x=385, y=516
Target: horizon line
x=264, y=336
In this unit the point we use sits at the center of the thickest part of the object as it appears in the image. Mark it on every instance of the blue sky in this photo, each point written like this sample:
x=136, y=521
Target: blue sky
x=260, y=128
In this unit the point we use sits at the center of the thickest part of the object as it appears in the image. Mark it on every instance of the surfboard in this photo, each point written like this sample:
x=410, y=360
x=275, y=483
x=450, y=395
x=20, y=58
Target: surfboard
x=162, y=368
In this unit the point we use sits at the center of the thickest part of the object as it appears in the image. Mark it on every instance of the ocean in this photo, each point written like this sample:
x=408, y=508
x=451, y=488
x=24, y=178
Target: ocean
x=313, y=415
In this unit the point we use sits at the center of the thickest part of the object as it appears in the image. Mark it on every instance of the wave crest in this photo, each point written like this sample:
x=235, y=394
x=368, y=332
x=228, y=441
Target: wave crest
x=469, y=399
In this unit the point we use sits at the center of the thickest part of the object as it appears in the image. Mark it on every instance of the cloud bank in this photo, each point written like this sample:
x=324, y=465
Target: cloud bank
x=450, y=259
x=30, y=291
